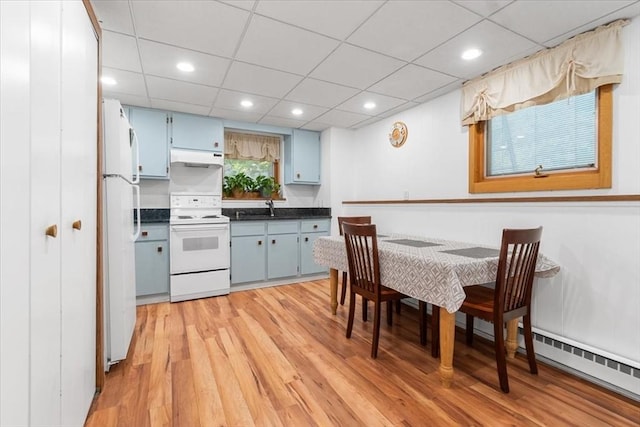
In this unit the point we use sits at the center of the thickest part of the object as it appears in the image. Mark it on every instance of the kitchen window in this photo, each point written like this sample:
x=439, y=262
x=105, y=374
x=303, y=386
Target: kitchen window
x=252, y=155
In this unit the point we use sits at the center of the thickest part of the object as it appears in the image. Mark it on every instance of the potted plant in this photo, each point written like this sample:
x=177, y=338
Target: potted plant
x=251, y=188
x=236, y=185
x=266, y=185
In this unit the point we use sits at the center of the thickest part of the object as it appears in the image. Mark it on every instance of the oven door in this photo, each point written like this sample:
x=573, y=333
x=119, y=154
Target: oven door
x=199, y=247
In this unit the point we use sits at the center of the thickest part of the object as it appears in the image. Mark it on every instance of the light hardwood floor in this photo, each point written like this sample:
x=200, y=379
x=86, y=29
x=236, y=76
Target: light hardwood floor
x=276, y=356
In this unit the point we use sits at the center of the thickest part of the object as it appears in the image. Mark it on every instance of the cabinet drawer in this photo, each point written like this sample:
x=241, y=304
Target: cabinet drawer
x=154, y=232
x=313, y=226
x=247, y=229
x=282, y=227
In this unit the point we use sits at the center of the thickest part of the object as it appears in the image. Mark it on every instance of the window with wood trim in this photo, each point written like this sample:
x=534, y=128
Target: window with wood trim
x=488, y=173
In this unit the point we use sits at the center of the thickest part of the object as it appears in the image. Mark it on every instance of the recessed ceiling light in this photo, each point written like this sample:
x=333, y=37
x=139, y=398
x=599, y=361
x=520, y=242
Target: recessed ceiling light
x=185, y=66
x=296, y=111
x=470, y=54
x=369, y=105
x=110, y=81
x=246, y=103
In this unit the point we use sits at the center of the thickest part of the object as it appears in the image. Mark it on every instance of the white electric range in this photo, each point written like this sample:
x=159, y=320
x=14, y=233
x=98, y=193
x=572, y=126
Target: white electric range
x=199, y=242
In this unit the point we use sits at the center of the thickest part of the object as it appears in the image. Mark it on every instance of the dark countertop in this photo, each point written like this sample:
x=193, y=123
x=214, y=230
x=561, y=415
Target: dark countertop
x=161, y=215
x=262, y=214
x=152, y=215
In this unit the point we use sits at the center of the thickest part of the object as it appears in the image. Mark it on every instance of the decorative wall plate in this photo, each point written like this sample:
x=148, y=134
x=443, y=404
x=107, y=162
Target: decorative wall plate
x=398, y=134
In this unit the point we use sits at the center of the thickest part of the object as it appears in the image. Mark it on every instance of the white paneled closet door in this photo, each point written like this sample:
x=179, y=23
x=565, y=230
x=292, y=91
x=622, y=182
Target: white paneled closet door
x=45, y=207
x=78, y=214
x=48, y=163
x=15, y=220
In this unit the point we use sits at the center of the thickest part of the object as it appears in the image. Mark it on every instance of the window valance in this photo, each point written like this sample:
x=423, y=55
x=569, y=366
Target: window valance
x=251, y=147
x=577, y=66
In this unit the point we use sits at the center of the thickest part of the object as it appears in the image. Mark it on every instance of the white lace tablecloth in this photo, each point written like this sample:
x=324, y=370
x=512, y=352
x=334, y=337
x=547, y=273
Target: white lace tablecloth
x=425, y=273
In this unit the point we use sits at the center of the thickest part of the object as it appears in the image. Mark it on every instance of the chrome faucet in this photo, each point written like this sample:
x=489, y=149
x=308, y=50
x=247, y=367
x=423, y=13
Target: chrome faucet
x=270, y=204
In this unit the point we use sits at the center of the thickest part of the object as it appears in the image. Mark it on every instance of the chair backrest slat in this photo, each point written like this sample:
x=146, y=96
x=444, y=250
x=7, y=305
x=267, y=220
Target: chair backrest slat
x=516, y=267
x=362, y=254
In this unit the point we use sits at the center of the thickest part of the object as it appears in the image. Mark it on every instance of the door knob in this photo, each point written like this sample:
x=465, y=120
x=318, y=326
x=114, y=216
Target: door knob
x=140, y=168
x=144, y=233
x=77, y=225
x=159, y=249
x=52, y=231
x=306, y=239
x=273, y=242
x=259, y=242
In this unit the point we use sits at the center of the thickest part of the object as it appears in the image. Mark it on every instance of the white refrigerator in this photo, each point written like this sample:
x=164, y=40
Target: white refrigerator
x=121, y=190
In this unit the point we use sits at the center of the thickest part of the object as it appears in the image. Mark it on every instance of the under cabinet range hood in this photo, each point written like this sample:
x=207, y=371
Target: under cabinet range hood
x=194, y=158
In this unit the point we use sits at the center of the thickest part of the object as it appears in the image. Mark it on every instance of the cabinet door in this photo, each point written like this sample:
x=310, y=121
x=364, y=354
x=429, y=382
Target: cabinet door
x=282, y=255
x=152, y=267
x=302, y=158
x=196, y=132
x=150, y=127
x=248, y=259
x=307, y=264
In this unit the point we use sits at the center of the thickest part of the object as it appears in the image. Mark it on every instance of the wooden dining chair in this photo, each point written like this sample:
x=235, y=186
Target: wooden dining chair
x=364, y=277
x=511, y=297
x=352, y=220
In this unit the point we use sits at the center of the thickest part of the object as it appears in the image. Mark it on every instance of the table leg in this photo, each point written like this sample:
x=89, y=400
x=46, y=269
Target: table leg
x=447, y=339
x=511, y=343
x=333, y=282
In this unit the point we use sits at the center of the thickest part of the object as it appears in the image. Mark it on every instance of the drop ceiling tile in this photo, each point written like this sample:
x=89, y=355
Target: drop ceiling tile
x=230, y=100
x=341, y=119
x=163, y=104
x=526, y=17
x=317, y=92
x=120, y=51
x=281, y=121
x=411, y=81
x=206, y=26
x=439, y=92
x=309, y=112
x=127, y=99
x=366, y=122
x=259, y=80
x=483, y=7
x=283, y=47
x=496, y=43
x=160, y=60
x=398, y=109
x=352, y=66
x=316, y=126
x=127, y=82
x=235, y=115
x=624, y=13
x=177, y=91
x=408, y=29
x=113, y=15
x=333, y=18
x=383, y=103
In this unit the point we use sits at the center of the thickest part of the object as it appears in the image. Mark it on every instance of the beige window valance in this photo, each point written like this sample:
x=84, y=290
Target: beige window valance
x=577, y=66
x=251, y=147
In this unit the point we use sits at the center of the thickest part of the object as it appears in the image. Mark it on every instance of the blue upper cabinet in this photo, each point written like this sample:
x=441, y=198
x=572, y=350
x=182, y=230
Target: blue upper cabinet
x=302, y=157
x=197, y=132
x=151, y=129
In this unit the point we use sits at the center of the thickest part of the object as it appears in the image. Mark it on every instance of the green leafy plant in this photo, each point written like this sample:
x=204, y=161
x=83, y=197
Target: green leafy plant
x=266, y=185
x=235, y=185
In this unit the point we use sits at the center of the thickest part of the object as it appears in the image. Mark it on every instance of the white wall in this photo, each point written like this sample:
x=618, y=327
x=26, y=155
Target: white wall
x=595, y=300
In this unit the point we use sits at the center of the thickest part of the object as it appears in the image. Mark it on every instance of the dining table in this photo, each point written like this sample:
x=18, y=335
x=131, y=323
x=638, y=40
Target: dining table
x=432, y=270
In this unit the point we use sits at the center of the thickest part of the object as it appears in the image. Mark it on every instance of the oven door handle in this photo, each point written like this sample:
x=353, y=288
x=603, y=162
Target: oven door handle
x=203, y=227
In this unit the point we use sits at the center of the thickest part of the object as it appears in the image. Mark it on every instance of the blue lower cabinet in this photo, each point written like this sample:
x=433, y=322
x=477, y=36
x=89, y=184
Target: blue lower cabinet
x=278, y=249
x=152, y=260
x=282, y=255
x=248, y=261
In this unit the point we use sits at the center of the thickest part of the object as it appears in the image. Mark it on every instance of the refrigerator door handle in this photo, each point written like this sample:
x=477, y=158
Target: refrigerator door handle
x=137, y=144
x=138, y=226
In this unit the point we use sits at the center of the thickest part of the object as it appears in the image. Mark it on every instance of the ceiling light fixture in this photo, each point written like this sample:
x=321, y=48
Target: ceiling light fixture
x=296, y=112
x=246, y=103
x=109, y=81
x=185, y=66
x=369, y=105
x=470, y=54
